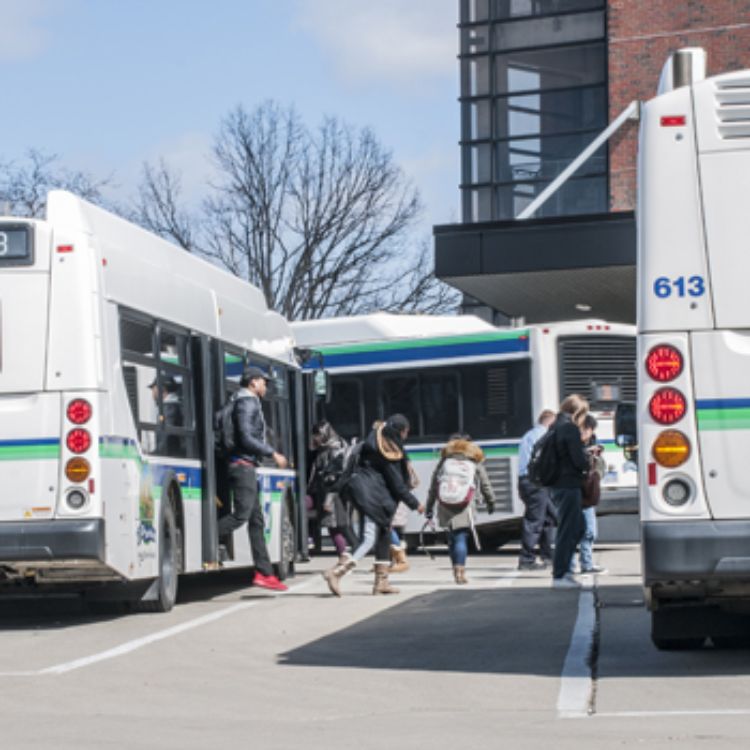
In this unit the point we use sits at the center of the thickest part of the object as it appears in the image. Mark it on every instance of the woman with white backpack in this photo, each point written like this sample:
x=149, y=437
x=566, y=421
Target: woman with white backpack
x=457, y=479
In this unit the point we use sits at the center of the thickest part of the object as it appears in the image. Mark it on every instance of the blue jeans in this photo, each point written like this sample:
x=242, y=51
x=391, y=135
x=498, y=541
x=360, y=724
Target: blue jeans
x=588, y=539
x=458, y=545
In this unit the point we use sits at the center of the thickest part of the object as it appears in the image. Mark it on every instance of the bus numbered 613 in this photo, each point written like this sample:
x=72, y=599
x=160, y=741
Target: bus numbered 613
x=459, y=374
x=116, y=349
x=693, y=407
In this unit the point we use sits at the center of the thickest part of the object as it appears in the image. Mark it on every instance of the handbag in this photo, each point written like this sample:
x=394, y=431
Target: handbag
x=592, y=489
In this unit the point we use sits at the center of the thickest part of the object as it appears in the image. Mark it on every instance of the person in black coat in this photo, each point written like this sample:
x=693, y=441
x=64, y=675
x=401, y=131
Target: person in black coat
x=573, y=464
x=379, y=483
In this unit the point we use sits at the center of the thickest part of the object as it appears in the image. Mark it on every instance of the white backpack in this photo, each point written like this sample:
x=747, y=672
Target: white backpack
x=456, y=483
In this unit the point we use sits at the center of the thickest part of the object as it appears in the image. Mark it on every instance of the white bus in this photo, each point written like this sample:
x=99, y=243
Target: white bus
x=693, y=408
x=106, y=480
x=451, y=374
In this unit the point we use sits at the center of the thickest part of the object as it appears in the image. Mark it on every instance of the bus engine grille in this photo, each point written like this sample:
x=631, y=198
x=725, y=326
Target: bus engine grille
x=590, y=361
x=498, y=469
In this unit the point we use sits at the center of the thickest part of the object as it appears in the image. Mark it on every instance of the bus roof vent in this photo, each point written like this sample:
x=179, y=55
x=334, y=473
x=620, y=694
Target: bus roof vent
x=732, y=97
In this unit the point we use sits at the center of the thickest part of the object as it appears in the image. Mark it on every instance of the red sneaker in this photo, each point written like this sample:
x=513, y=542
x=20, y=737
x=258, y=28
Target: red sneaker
x=269, y=582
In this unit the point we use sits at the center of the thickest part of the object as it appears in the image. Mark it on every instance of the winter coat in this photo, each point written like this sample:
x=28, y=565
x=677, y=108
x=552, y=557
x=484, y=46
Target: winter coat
x=326, y=468
x=380, y=480
x=249, y=428
x=450, y=518
x=572, y=459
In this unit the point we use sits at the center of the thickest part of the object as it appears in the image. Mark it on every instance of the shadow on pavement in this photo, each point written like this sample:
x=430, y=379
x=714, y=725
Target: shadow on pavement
x=480, y=631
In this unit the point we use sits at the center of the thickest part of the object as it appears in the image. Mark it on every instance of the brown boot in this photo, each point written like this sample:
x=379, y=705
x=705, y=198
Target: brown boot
x=399, y=563
x=459, y=574
x=334, y=575
x=381, y=580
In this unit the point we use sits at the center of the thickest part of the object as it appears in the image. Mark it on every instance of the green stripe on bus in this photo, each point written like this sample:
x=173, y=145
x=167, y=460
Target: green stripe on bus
x=29, y=452
x=422, y=343
x=724, y=419
x=114, y=450
x=188, y=493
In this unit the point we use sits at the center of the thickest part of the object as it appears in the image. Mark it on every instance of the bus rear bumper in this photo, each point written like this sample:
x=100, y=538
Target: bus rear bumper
x=52, y=541
x=699, y=552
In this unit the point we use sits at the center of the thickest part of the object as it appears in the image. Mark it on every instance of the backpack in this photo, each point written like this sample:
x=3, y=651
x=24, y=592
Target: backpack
x=544, y=468
x=224, y=440
x=456, y=483
x=347, y=461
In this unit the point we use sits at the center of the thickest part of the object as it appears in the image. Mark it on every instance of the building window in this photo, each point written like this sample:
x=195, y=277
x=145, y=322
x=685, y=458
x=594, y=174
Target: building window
x=532, y=101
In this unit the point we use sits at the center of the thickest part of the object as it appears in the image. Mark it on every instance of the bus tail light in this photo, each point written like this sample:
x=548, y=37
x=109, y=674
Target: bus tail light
x=78, y=440
x=76, y=499
x=77, y=469
x=677, y=492
x=79, y=411
x=664, y=363
x=667, y=406
x=671, y=449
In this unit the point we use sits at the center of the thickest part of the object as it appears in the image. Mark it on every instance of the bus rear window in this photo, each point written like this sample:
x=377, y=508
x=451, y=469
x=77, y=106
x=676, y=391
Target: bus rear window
x=16, y=244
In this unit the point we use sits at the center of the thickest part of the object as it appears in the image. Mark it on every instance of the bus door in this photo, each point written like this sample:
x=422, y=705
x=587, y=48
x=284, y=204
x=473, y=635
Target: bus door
x=721, y=358
x=29, y=416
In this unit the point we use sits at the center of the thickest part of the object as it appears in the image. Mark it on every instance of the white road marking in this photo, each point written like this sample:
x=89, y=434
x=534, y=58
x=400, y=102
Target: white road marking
x=506, y=581
x=574, y=698
x=130, y=646
x=657, y=714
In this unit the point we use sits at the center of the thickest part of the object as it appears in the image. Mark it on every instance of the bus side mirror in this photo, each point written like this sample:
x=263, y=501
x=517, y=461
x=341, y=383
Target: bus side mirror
x=626, y=428
x=322, y=385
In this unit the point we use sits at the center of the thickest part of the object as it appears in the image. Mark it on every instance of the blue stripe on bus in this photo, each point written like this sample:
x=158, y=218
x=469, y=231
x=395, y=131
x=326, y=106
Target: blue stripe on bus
x=29, y=441
x=723, y=403
x=383, y=356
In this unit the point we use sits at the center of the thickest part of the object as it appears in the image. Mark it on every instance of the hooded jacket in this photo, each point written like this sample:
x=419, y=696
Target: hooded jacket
x=451, y=518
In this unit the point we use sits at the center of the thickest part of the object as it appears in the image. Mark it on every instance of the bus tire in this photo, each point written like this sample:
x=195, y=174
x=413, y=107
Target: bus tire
x=285, y=567
x=170, y=558
x=669, y=628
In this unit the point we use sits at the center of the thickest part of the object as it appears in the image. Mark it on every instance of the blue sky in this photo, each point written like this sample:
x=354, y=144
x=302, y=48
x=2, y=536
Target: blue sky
x=108, y=84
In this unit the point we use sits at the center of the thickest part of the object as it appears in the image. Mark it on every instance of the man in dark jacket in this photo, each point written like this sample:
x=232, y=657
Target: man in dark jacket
x=566, y=491
x=251, y=448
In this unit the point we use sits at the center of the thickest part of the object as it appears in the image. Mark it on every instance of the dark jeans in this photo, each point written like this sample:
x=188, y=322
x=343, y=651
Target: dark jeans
x=246, y=508
x=458, y=545
x=570, y=526
x=539, y=521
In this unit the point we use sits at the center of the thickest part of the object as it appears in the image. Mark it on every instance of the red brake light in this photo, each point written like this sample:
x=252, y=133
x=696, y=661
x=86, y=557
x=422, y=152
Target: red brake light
x=79, y=411
x=672, y=121
x=78, y=440
x=664, y=363
x=667, y=406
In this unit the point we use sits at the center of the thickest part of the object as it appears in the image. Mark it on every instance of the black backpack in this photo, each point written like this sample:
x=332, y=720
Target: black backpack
x=544, y=466
x=224, y=440
x=349, y=462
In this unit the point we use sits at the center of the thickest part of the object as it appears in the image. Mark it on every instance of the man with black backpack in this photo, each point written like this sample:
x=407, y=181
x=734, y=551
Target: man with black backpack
x=246, y=448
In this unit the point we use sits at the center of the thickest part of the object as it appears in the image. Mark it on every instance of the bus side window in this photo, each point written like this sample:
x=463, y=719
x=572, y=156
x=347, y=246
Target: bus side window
x=440, y=402
x=400, y=395
x=345, y=411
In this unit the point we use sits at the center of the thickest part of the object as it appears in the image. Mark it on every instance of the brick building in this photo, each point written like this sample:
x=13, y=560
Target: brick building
x=540, y=79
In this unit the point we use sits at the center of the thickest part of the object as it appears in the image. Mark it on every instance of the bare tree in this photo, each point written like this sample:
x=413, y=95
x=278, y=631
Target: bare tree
x=24, y=186
x=320, y=221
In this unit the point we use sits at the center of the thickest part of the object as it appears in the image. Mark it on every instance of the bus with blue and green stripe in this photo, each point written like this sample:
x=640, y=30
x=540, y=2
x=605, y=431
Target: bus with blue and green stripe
x=693, y=407
x=116, y=350
x=459, y=374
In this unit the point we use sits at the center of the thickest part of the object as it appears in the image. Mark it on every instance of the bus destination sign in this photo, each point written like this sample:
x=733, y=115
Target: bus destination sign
x=15, y=243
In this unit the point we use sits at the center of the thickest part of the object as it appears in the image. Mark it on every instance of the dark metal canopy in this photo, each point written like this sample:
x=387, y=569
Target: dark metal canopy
x=544, y=269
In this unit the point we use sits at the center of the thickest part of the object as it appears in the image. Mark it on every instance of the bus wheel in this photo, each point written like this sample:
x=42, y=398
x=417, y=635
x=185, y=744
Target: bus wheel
x=285, y=567
x=669, y=627
x=170, y=555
